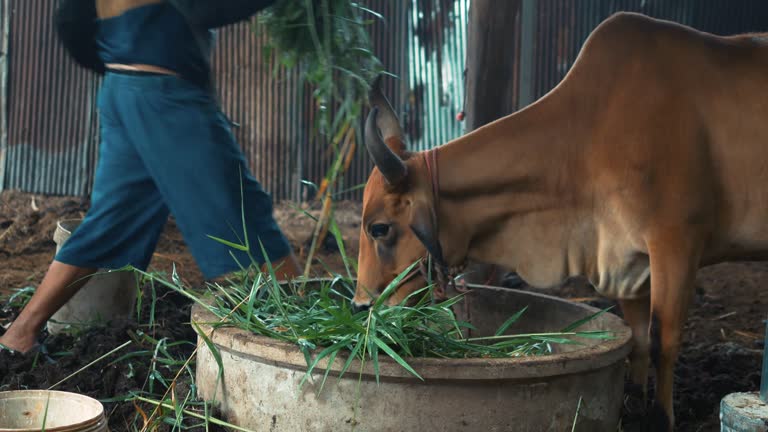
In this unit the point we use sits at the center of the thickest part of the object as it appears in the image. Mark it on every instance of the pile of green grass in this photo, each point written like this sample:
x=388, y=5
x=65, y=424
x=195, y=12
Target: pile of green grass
x=323, y=325
x=320, y=322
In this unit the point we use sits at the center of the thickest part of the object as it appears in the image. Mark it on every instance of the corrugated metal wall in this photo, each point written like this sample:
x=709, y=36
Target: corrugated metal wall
x=51, y=117
x=52, y=125
x=437, y=41
x=52, y=130
x=266, y=108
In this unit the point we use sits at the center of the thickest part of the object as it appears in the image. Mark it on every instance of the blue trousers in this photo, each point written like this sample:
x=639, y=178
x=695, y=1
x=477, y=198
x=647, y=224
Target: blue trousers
x=166, y=148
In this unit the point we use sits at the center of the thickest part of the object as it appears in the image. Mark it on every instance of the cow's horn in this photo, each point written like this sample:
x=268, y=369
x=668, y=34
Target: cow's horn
x=390, y=164
x=387, y=120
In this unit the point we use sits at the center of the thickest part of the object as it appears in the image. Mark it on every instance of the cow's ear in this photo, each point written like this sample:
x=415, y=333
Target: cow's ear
x=423, y=223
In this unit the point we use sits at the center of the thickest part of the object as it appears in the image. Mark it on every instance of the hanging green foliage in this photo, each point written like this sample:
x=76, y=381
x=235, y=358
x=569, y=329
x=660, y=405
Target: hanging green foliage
x=328, y=41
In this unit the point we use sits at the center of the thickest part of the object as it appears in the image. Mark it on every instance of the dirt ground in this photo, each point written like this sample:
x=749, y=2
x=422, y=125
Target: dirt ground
x=722, y=349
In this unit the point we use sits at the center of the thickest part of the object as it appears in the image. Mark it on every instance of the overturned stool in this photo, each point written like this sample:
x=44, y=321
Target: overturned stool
x=747, y=412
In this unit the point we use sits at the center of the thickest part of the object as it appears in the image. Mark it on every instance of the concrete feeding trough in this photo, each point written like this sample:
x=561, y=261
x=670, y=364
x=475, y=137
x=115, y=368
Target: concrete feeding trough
x=260, y=388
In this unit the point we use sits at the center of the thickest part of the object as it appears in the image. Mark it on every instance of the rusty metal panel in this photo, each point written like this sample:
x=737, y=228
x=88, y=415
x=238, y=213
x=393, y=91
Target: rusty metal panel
x=264, y=105
x=51, y=126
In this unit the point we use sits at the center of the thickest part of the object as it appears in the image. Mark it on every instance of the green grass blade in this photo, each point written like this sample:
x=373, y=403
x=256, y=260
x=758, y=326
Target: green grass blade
x=396, y=358
x=216, y=356
x=45, y=413
x=513, y=319
x=352, y=355
x=229, y=243
x=334, y=228
x=596, y=334
x=327, y=351
x=392, y=287
x=585, y=320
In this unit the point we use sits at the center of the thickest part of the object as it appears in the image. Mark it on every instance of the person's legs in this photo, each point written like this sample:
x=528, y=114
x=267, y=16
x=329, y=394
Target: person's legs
x=121, y=228
x=188, y=148
x=162, y=145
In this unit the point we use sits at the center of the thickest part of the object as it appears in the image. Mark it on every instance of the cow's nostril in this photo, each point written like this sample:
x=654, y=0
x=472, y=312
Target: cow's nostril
x=360, y=307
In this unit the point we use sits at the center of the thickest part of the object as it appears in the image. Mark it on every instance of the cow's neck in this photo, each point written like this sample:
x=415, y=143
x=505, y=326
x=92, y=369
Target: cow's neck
x=510, y=193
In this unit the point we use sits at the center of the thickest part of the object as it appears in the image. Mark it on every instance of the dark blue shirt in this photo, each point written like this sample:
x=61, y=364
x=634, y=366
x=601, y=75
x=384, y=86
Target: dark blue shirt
x=155, y=34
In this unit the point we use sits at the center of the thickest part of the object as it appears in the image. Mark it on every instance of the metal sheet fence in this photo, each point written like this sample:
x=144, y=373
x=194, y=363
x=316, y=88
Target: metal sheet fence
x=50, y=101
x=50, y=143
x=266, y=108
x=437, y=42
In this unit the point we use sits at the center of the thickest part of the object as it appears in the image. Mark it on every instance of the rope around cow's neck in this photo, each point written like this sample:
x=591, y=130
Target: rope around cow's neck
x=446, y=276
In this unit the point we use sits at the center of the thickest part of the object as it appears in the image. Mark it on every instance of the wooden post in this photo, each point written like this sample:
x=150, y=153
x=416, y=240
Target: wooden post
x=527, y=42
x=492, y=81
x=491, y=68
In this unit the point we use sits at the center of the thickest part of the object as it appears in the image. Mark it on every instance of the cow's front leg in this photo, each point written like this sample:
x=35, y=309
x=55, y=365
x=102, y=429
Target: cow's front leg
x=637, y=315
x=674, y=260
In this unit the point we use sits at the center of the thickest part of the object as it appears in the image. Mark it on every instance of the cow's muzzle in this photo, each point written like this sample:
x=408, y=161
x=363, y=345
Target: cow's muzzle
x=360, y=307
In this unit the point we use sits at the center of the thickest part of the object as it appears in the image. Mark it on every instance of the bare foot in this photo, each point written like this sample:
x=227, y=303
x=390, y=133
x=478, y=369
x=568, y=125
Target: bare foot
x=19, y=343
x=60, y=283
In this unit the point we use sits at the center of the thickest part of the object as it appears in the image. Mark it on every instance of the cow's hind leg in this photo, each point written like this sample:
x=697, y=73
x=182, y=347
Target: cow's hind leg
x=637, y=315
x=674, y=260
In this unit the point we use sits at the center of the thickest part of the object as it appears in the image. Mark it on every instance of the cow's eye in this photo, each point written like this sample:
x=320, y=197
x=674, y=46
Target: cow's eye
x=379, y=230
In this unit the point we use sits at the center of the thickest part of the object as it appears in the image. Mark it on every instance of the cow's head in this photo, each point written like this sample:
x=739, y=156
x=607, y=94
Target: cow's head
x=398, y=221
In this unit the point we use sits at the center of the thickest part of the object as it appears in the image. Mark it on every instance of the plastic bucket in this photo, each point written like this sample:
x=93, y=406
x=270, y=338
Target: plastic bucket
x=105, y=296
x=743, y=412
x=24, y=410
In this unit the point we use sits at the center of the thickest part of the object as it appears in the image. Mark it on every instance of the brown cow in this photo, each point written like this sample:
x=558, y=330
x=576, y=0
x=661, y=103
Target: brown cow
x=648, y=161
